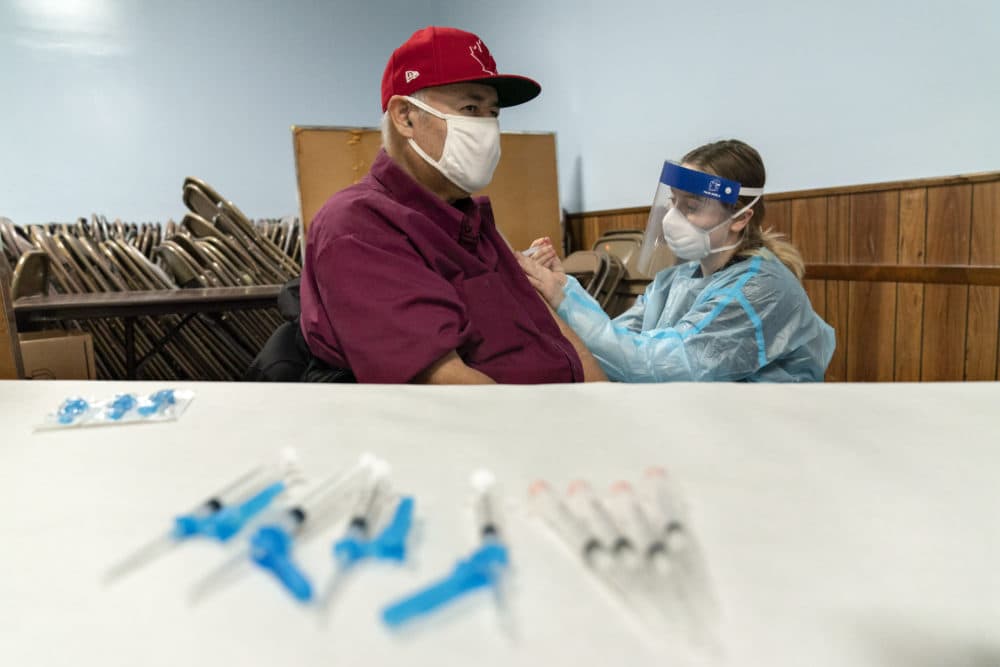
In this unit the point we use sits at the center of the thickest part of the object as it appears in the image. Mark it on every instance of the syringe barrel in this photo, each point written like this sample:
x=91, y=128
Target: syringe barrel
x=244, y=485
x=289, y=519
x=651, y=539
x=333, y=488
x=485, y=505
x=628, y=505
x=608, y=527
x=486, y=517
x=571, y=528
x=366, y=505
x=671, y=519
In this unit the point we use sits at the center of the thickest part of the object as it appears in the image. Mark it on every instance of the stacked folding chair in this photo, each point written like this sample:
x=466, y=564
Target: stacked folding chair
x=214, y=245
x=624, y=246
x=597, y=271
x=271, y=262
x=14, y=241
x=610, y=272
x=70, y=264
x=285, y=233
x=10, y=351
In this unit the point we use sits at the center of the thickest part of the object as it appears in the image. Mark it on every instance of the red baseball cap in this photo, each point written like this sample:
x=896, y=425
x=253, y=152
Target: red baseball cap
x=437, y=56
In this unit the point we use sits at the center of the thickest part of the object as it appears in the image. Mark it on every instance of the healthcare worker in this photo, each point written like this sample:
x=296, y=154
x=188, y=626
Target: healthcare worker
x=735, y=311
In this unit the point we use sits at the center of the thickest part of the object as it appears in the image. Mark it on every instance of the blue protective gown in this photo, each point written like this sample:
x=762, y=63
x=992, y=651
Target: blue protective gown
x=751, y=321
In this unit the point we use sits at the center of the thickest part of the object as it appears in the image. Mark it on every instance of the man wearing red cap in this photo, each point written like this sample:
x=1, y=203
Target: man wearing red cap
x=406, y=278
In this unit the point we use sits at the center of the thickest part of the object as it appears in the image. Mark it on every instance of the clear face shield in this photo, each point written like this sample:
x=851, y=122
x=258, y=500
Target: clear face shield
x=690, y=216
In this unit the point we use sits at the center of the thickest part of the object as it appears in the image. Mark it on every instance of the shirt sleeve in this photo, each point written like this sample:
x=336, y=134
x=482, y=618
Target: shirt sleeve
x=720, y=338
x=392, y=315
x=632, y=318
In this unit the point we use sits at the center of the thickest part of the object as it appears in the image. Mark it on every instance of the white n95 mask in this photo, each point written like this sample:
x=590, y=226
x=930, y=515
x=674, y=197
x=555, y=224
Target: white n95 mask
x=684, y=194
x=471, y=148
x=687, y=240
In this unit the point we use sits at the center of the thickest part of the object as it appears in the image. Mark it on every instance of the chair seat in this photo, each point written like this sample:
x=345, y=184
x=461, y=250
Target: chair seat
x=285, y=356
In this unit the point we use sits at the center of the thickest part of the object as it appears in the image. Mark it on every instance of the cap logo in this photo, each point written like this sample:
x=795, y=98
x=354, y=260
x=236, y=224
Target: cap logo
x=411, y=75
x=480, y=49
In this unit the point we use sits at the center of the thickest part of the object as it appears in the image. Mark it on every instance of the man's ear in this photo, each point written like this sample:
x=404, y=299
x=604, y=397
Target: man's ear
x=742, y=221
x=399, y=111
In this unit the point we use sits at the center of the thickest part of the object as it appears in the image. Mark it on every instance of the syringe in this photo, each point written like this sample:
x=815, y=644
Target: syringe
x=488, y=522
x=573, y=530
x=672, y=523
x=271, y=544
x=484, y=505
x=690, y=577
x=622, y=545
x=655, y=545
x=365, y=510
x=583, y=541
x=663, y=582
x=484, y=568
x=220, y=516
x=355, y=543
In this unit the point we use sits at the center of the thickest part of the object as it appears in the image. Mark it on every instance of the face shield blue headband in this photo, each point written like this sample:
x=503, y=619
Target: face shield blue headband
x=689, y=205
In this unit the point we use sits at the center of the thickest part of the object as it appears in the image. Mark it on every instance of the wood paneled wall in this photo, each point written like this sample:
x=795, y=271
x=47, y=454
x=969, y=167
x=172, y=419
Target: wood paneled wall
x=887, y=331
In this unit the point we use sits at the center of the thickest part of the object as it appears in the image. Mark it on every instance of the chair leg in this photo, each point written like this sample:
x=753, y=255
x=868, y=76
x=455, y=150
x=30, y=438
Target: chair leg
x=11, y=366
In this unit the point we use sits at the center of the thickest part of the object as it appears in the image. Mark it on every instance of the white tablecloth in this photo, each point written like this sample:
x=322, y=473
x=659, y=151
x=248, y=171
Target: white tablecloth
x=843, y=524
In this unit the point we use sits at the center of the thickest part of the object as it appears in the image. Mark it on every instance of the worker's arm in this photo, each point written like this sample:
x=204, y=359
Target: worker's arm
x=549, y=283
x=591, y=369
x=450, y=369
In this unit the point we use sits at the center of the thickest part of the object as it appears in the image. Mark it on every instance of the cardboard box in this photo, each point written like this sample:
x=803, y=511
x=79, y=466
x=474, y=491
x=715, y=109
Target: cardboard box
x=58, y=355
x=524, y=191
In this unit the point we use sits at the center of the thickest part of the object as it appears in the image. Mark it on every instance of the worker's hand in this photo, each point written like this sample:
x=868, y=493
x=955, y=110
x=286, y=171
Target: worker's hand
x=543, y=252
x=548, y=283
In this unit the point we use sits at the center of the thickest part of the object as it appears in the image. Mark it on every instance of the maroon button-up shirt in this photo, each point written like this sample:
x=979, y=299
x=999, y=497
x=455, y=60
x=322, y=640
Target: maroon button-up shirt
x=396, y=278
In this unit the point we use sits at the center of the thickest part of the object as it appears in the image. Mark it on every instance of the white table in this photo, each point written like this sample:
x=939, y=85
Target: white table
x=843, y=524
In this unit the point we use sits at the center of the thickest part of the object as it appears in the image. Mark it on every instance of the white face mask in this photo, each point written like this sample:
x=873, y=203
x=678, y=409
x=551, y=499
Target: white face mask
x=471, y=149
x=689, y=241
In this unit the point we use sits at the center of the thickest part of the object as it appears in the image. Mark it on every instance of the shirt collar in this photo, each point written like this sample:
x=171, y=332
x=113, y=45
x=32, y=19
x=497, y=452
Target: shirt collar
x=460, y=220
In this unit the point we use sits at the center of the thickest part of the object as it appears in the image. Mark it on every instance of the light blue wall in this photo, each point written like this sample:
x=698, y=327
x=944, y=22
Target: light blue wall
x=831, y=93
x=108, y=104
